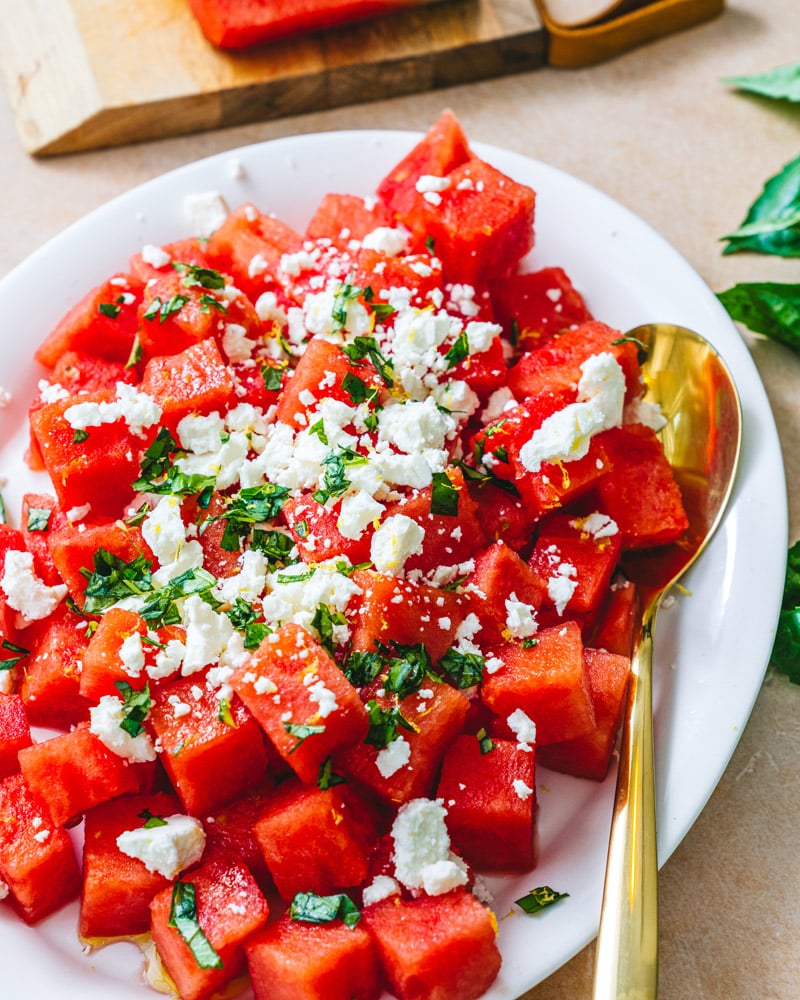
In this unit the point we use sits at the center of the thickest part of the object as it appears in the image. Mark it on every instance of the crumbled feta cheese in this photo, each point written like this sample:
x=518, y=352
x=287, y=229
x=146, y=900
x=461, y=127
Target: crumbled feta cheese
x=24, y=591
x=597, y=525
x=566, y=435
x=323, y=698
x=131, y=654
x=523, y=727
x=137, y=409
x=393, y=756
x=207, y=634
x=387, y=240
x=561, y=586
x=356, y=512
x=422, y=855
x=167, y=660
x=520, y=618
x=381, y=887
x=167, y=849
x=640, y=411
x=106, y=718
x=398, y=538
x=523, y=790
x=155, y=256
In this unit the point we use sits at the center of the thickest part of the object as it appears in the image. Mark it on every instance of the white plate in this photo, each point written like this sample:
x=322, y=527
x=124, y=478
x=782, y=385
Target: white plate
x=712, y=646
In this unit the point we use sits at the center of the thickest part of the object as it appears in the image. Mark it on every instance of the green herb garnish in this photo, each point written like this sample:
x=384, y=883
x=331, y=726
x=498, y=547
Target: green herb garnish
x=444, y=495
x=464, y=669
x=150, y=820
x=301, y=732
x=113, y=580
x=310, y=908
x=538, y=899
x=183, y=917
x=10, y=661
x=38, y=518
x=135, y=706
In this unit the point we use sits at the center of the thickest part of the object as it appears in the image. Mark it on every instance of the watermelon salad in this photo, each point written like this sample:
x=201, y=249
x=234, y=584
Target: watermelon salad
x=329, y=565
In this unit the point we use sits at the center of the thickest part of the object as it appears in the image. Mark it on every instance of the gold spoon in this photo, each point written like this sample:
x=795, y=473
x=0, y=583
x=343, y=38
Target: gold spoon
x=688, y=379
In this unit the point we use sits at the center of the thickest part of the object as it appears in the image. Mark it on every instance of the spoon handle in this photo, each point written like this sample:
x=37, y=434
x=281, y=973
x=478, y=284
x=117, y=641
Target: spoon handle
x=626, y=960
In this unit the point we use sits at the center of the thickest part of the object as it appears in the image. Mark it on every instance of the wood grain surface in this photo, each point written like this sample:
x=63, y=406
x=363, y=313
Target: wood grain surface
x=81, y=74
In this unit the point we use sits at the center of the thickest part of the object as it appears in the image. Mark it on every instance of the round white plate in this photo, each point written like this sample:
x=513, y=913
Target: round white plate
x=712, y=645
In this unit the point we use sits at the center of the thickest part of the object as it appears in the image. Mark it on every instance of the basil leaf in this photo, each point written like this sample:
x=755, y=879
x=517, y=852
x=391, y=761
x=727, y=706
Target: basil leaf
x=772, y=225
x=408, y=670
x=540, y=898
x=183, y=917
x=224, y=714
x=323, y=621
x=109, y=309
x=367, y=347
x=464, y=669
x=459, y=351
x=193, y=274
x=361, y=668
x=8, y=662
x=113, y=580
x=327, y=777
x=767, y=307
x=150, y=820
x=384, y=724
x=781, y=83
x=302, y=732
x=272, y=377
x=310, y=908
x=485, y=741
x=444, y=495
x=135, y=706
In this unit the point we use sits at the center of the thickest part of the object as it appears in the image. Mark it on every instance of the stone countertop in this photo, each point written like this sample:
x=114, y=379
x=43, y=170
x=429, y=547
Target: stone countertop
x=658, y=130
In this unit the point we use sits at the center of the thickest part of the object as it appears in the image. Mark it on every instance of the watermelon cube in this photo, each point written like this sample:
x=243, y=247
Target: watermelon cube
x=211, y=757
x=117, y=889
x=301, y=699
x=546, y=678
x=315, y=840
x=292, y=960
x=51, y=685
x=488, y=790
x=228, y=907
x=37, y=860
x=15, y=732
x=437, y=947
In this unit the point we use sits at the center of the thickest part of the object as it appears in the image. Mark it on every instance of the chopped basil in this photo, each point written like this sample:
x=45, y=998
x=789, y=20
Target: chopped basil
x=358, y=390
x=430, y=244
x=183, y=917
x=163, y=310
x=327, y=777
x=276, y=546
x=38, y=518
x=296, y=577
x=224, y=714
x=367, y=347
x=272, y=377
x=248, y=507
x=113, y=580
x=301, y=529
x=109, y=309
x=2, y=510
x=136, y=353
x=302, y=732
x=459, y=351
x=408, y=669
x=538, y=899
x=464, y=669
x=135, y=706
x=310, y=908
x=444, y=495
x=529, y=643
x=8, y=662
x=208, y=302
x=335, y=482
x=151, y=821
x=485, y=741
x=384, y=724
x=161, y=608
x=318, y=429
x=477, y=476
x=194, y=275
x=361, y=668
x=255, y=633
x=344, y=294
x=80, y=436
x=324, y=621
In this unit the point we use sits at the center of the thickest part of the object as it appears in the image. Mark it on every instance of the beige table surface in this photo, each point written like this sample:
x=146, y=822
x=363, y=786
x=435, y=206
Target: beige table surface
x=659, y=131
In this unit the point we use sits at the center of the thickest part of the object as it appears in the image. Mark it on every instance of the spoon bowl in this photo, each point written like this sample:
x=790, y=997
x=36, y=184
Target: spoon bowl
x=691, y=384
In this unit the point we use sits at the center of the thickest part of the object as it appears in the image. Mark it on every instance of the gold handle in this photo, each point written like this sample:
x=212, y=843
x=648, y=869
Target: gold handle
x=626, y=962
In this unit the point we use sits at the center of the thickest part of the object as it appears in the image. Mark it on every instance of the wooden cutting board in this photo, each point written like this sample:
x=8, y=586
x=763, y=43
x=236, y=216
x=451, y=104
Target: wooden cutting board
x=86, y=73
